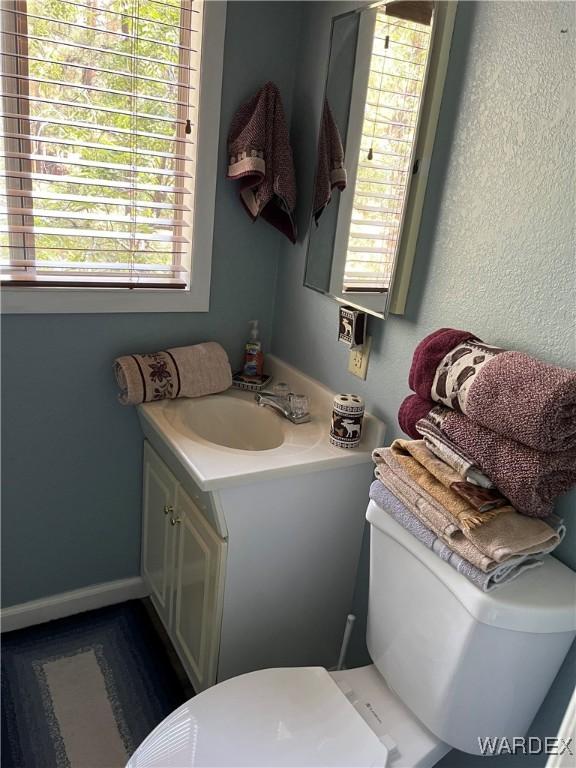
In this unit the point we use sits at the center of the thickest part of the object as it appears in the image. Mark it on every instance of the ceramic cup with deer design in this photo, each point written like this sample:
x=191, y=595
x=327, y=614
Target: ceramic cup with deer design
x=347, y=415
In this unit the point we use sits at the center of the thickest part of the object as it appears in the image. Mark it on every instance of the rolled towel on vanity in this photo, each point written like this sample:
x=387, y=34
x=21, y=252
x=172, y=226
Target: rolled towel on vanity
x=194, y=371
x=487, y=581
x=508, y=392
x=499, y=539
x=530, y=479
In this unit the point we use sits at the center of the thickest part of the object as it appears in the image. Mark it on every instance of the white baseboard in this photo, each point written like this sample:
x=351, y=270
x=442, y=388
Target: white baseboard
x=69, y=603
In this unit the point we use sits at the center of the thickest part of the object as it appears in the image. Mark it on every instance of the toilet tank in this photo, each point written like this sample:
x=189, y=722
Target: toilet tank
x=469, y=664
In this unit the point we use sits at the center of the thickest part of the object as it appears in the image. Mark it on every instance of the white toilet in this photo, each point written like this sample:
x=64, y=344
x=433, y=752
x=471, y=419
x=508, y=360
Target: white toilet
x=451, y=665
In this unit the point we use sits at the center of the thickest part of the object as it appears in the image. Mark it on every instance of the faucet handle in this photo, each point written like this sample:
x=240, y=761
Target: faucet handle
x=281, y=390
x=299, y=405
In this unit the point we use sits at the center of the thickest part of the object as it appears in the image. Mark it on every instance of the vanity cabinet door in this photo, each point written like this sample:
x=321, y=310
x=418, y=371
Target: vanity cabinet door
x=159, y=502
x=198, y=590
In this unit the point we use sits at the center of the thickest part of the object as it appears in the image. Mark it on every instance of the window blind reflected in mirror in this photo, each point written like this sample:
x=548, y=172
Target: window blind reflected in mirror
x=397, y=73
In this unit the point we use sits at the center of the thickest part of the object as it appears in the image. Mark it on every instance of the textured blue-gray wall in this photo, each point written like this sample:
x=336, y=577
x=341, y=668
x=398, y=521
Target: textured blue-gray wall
x=71, y=454
x=495, y=253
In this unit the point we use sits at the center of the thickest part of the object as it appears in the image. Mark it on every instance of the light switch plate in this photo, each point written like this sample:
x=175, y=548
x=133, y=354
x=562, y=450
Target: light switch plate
x=358, y=359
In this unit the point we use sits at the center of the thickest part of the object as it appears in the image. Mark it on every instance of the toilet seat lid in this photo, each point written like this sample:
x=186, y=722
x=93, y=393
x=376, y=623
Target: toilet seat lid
x=273, y=717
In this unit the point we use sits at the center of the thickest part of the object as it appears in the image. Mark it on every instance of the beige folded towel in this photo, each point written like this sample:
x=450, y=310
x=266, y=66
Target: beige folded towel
x=456, y=541
x=459, y=513
x=507, y=535
x=472, y=505
x=193, y=371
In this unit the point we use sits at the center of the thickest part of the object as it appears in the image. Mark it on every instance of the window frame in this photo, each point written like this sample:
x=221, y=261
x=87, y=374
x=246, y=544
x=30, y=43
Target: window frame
x=196, y=297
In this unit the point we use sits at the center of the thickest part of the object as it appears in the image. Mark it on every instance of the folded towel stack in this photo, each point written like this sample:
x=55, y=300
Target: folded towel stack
x=510, y=393
x=194, y=371
x=487, y=578
x=490, y=548
x=498, y=418
x=494, y=445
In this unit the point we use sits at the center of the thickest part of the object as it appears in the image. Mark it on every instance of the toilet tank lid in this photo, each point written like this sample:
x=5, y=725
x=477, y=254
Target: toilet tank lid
x=542, y=600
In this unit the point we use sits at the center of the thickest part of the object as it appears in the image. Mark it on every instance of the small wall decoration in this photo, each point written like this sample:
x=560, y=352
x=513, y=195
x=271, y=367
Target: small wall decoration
x=347, y=416
x=352, y=327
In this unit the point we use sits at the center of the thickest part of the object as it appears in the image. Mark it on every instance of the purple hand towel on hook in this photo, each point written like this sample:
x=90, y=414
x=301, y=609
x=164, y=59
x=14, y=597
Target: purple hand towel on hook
x=330, y=171
x=261, y=159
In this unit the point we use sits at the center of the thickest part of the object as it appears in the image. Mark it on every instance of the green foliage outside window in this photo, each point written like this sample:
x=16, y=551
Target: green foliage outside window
x=104, y=76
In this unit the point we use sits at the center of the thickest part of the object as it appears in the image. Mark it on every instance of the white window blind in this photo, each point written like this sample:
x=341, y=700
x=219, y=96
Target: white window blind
x=398, y=66
x=98, y=141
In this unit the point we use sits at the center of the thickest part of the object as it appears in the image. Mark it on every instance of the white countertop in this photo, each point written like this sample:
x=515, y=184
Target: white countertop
x=305, y=448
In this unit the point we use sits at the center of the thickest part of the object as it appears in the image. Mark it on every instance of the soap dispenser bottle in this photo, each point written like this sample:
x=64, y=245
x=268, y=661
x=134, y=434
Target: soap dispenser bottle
x=253, y=356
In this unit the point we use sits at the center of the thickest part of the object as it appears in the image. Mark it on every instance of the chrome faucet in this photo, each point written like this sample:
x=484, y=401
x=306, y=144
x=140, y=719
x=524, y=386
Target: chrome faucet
x=285, y=404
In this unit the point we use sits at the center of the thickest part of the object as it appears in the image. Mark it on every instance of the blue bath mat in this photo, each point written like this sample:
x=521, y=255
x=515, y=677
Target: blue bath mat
x=84, y=692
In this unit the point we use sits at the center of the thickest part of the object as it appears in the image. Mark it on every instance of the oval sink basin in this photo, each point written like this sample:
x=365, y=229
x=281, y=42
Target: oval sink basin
x=228, y=421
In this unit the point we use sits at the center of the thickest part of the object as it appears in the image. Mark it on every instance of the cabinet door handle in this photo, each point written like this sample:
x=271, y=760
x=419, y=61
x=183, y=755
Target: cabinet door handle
x=174, y=520
x=168, y=509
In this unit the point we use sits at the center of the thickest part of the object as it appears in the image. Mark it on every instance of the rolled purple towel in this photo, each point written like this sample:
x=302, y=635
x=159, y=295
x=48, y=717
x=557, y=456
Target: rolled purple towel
x=526, y=399
x=530, y=479
x=429, y=354
x=509, y=392
x=412, y=409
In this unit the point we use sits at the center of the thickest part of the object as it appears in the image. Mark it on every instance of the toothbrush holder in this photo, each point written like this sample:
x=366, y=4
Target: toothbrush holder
x=347, y=417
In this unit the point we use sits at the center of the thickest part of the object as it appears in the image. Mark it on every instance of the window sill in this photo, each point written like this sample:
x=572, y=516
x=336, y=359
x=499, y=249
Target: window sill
x=102, y=300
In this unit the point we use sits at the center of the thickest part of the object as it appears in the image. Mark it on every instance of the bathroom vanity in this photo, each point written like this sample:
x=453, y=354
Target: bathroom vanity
x=250, y=552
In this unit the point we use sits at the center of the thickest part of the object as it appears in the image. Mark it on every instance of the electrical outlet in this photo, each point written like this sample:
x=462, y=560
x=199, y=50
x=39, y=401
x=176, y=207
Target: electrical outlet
x=358, y=360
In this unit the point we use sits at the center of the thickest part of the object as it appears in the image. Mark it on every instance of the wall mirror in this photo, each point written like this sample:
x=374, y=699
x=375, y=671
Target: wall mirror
x=385, y=77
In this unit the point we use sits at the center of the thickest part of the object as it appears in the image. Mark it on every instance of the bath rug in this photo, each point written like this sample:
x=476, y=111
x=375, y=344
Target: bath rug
x=84, y=692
